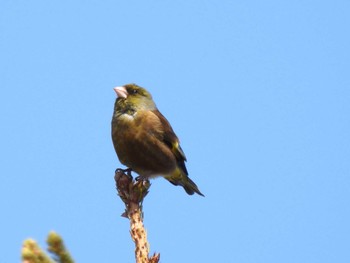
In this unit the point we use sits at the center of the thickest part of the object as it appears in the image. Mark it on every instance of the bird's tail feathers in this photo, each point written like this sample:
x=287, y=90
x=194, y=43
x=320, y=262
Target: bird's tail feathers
x=180, y=178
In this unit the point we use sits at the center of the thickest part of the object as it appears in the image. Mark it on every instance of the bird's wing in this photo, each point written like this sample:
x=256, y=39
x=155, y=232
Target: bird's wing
x=170, y=139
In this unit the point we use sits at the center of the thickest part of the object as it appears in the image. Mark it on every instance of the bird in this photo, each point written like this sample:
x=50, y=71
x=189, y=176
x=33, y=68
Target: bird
x=144, y=140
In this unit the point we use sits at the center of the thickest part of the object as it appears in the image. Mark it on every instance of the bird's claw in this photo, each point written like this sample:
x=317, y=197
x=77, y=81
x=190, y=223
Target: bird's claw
x=128, y=171
x=125, y=171
x=140, y=178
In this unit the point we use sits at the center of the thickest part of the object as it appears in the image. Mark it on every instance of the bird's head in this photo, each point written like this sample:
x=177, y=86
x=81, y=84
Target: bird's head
x=133, y=97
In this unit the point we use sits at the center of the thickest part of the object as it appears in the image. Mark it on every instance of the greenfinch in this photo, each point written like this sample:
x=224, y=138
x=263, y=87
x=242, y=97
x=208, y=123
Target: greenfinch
x=144, y=140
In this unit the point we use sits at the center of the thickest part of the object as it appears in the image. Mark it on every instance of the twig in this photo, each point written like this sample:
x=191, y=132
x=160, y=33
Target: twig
x=32, y=253
x=132, y=192
x=57, y=247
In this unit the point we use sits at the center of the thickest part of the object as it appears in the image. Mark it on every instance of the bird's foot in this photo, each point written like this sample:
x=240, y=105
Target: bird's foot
x=125, y=171
x=141, y=178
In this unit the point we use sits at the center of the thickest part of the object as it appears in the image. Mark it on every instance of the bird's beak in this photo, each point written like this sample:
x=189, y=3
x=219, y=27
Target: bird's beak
x=121, y=92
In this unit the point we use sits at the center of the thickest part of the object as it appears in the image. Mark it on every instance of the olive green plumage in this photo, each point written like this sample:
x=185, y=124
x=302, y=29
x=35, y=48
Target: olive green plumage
x=144, y=140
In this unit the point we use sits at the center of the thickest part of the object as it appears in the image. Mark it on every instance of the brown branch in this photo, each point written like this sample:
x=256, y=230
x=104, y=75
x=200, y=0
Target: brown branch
x=132, y=192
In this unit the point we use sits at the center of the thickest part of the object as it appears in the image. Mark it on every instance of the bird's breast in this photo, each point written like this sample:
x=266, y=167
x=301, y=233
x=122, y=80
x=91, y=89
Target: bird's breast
x=138, y=142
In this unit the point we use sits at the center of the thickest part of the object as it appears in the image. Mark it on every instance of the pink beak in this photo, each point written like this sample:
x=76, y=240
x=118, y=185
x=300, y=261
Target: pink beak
x=121, y=92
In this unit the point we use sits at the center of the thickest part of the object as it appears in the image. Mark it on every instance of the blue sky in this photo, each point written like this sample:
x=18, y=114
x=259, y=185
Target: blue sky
x=257, y=91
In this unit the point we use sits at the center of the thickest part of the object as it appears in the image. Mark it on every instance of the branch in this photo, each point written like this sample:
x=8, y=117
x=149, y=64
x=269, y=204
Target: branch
x=57, y=247
x=132, y=192
x=32, y=253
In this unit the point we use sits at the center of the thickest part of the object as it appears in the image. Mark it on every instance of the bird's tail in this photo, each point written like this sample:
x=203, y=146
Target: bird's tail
x=178, y=177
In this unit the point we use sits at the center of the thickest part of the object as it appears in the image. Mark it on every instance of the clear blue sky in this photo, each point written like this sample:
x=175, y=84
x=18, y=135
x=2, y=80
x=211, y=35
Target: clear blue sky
x=257, y=91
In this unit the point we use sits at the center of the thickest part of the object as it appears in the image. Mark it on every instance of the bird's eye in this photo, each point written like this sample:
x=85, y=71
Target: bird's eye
x=134, y=91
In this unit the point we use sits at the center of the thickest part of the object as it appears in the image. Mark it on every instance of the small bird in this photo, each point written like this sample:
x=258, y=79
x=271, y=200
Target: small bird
x=144, y=140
